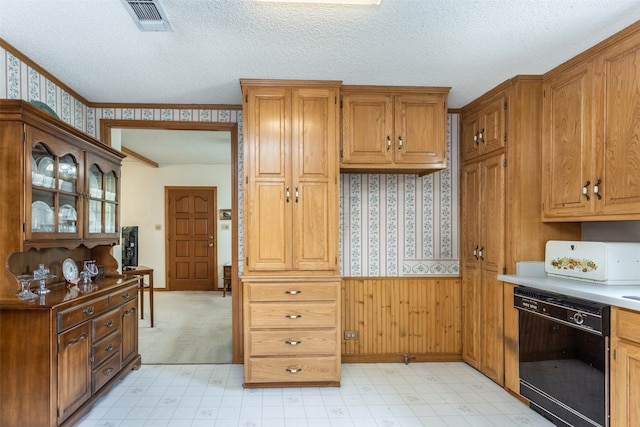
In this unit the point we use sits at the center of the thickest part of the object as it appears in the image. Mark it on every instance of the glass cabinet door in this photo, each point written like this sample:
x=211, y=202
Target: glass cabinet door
x=103, y=189
x=54, y=193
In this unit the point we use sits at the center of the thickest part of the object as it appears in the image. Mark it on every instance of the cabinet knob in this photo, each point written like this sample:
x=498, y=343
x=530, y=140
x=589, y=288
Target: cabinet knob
x=480, y=253
x=596, y=189
x=585, y=190
x=88, y=311
x=293, y=343
x=297, y=195
x=399, y=142
x=388, y=143
x=293, y=370
x=292, y=292
x=475, y=252
x=287, y=194
x=109, y=323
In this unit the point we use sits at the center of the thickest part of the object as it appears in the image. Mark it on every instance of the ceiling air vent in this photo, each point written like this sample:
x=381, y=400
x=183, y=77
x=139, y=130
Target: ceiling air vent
x=148, y=15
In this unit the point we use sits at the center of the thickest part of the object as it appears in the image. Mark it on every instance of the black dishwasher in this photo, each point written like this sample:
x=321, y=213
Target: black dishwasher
x=563, y=357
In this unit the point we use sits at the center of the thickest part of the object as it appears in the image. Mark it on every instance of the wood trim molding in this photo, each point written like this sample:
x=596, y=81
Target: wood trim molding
x=168, y=106
x=138, y=156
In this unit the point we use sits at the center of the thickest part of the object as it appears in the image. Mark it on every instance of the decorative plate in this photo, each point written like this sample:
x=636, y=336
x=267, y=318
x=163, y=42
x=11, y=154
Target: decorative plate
x=70, y=270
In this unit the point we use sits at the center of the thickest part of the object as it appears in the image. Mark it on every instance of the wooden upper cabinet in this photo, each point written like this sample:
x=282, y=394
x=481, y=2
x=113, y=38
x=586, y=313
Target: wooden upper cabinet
x=567, y=154
x=399, y=129
x=484, y=130
x=292, y=188
x=591, y=139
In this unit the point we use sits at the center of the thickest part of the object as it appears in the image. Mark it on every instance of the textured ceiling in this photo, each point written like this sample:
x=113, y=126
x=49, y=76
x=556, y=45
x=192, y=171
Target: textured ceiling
x=471, y=45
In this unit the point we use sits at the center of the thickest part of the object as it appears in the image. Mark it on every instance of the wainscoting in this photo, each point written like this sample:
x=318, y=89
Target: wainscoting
x=393, y=317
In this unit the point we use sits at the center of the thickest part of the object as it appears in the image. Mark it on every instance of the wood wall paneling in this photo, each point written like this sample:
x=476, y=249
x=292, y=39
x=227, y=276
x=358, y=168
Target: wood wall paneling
x=420, y=317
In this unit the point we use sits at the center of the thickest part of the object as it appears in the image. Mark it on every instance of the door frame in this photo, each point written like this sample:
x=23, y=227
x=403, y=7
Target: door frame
x=236, y=297
x=167, y=216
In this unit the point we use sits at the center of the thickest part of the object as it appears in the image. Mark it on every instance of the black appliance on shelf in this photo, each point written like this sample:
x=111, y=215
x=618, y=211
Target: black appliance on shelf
x=563, y=357
x=129, y=247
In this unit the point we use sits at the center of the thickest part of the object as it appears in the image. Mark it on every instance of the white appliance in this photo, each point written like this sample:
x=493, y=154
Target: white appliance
x=608, y=263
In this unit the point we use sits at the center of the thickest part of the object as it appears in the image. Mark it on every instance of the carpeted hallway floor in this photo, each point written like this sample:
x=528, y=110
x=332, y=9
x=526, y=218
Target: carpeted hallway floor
x=189, y=327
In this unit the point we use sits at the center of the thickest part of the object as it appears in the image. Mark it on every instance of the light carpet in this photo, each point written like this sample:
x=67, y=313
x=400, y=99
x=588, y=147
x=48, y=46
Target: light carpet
x=189, y=327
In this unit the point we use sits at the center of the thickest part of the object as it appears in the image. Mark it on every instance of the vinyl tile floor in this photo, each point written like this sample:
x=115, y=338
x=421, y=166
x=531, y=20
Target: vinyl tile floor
x=417, y=394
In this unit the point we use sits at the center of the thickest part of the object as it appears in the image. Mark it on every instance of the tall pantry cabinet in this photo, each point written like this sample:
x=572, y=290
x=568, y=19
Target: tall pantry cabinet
x=500, y=216
x=291, y=199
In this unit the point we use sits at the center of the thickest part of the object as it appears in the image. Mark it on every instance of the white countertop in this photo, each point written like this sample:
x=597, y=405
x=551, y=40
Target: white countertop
x=532, y=274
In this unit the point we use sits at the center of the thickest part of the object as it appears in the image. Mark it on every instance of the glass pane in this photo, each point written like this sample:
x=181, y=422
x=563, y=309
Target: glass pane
x=42, y=212
x=67, y=174
x=95, y=182
x=67, y=214
x=110, y=186
x=42, y=167
x=109, y=218
x=95, y=216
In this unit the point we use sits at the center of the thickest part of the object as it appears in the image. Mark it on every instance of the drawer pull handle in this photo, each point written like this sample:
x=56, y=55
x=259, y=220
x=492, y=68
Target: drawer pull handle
x=125, y=296
x=109, y=323
x=294, y=370
x=109, y=347
x=77, y=340
x=293, y=342
x=292, y=292
x=293, y=316
x=108, y=371
x=129, y=312
x=88, y=311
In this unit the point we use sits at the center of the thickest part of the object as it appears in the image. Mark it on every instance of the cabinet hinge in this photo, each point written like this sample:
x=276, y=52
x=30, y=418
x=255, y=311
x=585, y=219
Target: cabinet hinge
x=24, y=227
x=340, y=103
x=335, y=100
x=505, y=105
x=505, y=137
x=247, y=261
x=341, y=154
x=504, y=163
x=246, y=179
x=544, y=93
x=504, y=270
x=614, y=354
x=246, y=98
x=24, y=136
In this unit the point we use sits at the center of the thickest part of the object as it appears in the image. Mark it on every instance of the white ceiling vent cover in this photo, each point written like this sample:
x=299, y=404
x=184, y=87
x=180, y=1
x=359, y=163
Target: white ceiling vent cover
x=148, y=15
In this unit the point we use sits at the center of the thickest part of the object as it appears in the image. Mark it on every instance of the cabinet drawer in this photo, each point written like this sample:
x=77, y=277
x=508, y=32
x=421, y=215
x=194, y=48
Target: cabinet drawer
x=290, y=315
x=75, y=315
x=315, y=291
x=122, y=296
x=627, y=325
x=106, y=371
x=105, y=324
x=106, y=347
x=292, y=342
x=292, y=369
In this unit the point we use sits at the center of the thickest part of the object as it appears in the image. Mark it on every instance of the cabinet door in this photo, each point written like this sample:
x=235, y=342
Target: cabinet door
x=470, y=140
x=315, y=179
x=269, y=194
x=625, y=384
x=367, y=129
x=53, y=202
x=492, y=208
x=74, y=369
x=567, y=149
x=129, y=331
x=620, y=171
x=470, y=241
x=492, y=326
x=491, y=134
x=420, y=122
x=103, y=185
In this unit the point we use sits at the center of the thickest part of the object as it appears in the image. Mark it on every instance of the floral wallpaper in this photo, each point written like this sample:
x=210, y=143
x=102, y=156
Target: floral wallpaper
x=390, y=225
x=401, y=225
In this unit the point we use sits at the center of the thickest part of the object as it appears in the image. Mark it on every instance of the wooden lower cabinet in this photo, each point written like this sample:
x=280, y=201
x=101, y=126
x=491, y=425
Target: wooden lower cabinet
x=291, y=331
x=625, y=368
x=60, y=354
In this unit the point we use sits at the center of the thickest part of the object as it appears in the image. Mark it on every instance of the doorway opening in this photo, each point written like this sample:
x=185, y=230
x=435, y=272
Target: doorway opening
x=107, y=126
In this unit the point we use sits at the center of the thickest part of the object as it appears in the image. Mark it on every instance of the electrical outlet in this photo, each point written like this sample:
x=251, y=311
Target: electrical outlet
x=350, y=335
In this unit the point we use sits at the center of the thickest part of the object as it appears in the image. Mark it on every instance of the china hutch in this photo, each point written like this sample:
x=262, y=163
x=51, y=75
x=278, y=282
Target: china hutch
x=65, y=347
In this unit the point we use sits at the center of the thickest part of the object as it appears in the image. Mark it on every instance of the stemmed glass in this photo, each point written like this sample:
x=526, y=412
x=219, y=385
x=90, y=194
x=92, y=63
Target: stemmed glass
x=25, y=293
x=42, y=274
